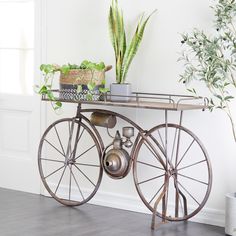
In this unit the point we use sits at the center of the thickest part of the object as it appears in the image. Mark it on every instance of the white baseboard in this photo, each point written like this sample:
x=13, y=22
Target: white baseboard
x=118, y=201
x=210, y=216
x=130, y=203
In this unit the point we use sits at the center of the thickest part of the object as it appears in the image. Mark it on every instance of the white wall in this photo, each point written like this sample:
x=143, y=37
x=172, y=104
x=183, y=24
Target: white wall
x=77, y=30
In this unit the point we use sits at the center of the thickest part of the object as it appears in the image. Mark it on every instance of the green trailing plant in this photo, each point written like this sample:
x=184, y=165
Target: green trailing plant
x=49, y=71
x=124, y=52
x=45, y=88
x=211, y=59
x=85, y=65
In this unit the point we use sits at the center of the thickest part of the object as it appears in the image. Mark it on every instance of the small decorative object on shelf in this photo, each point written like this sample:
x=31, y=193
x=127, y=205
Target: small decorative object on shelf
x=86, y=82
x=121, y=92
x=124, y=52
x=82, y=82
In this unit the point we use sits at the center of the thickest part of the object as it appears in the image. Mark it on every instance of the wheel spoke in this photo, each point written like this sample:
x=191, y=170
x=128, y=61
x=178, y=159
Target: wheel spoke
x=85, y=175
x=194, y=164
x=80, y=135
x=173, y=148
x=154, y=154
x=76, y=182
x=59, y=140
x=177, y=148
x=70, y=185
x=85, y=152
x=69, y=126
x=54, y=172
x=60, y=180
x=84, y=164
x=147, y=164
x=145, y=181
x=163, y=145
x=54, y=147
x=60, y=169
x=188, y=193
x=76, y=142
x=71, y=130
x=185, y=152
x=46, y=159
x=156, y=194
x=199, y=181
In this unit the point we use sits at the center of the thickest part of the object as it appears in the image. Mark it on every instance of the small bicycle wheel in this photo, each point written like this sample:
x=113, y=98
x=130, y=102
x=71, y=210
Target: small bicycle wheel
x=171, y=164
x=69, y=159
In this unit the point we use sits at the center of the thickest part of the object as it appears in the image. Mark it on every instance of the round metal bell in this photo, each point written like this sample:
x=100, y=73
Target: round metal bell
x=116, y=163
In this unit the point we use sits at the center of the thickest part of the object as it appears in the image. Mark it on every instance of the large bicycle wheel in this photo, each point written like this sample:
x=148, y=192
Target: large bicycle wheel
x=171, y=164
x=69, y=160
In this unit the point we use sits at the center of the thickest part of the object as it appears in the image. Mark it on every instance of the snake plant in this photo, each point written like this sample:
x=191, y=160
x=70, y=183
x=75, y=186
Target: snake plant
x=124, y=52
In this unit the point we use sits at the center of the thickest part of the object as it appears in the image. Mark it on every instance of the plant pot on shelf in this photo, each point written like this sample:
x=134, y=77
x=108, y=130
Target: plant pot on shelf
x=120, y=92
x=70, y=81
x=230, y=214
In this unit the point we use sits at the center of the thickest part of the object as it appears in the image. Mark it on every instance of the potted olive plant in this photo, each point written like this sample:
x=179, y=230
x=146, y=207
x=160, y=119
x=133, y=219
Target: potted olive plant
x=124, y=51
x=211, y=60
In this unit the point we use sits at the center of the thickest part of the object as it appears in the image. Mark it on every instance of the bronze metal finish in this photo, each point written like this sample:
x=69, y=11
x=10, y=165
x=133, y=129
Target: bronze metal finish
x=103, y=120
x=116, y=162
x=166, y=169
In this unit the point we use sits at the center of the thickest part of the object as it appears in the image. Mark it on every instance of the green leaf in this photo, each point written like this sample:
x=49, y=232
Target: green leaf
x=212, y=102
x=65, y=69
x=43, y=90
x=103, y=82
x=58, y=104
x=48, y=68
x=118, y=37
x=50, y=95
x=220, y=97
x=89, y=97
x=79, y=88
x=92, y=66
x=103, y=90
x=227, y=98
x=192, y=91
x=91, y=86
x=134, y=45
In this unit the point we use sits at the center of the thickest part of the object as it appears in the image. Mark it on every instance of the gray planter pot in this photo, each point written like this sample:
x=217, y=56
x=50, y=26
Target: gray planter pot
x=122, y=90
x=230, y=214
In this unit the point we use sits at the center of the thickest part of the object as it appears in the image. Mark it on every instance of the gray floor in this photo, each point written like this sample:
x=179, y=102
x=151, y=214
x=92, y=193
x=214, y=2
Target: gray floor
x=25, y=214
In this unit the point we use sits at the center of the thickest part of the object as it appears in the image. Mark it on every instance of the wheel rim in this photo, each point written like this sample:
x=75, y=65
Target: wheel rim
x=188, y=173
x=69, y=162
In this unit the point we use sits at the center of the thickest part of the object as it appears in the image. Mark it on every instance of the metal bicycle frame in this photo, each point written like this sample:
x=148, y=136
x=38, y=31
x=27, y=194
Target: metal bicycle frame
x=144, y=136
x=141, y=135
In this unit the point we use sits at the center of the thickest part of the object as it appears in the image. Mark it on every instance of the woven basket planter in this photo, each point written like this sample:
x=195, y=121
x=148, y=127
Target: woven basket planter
x=70, y=81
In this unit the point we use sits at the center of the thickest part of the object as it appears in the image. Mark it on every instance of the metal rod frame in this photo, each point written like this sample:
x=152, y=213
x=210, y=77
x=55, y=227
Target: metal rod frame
x=176, y=100
x=166, y=163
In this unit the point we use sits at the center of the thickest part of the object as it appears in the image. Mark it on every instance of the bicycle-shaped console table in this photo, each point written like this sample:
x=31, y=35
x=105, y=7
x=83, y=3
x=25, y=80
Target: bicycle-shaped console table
x=170, y=165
